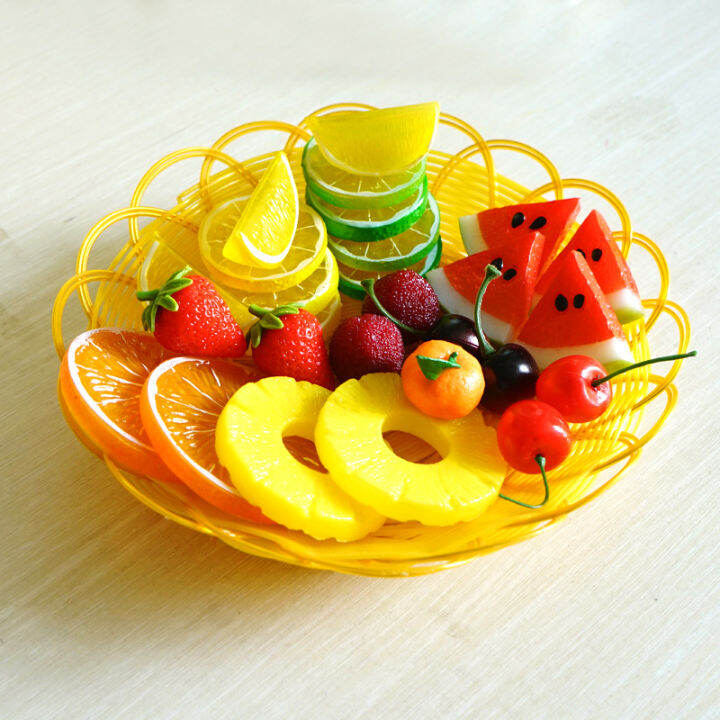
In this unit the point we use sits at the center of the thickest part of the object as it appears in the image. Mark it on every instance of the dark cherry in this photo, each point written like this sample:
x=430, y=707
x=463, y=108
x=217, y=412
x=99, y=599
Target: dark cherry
x=459, y=330
x=510, y=375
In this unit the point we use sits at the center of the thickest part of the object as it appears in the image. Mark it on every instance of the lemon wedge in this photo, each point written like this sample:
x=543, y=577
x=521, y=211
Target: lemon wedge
x=264, y=232
x=376, y=142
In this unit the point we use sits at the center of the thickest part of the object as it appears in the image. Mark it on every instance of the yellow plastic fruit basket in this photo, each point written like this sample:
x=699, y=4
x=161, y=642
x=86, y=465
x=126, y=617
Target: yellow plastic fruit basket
x=462, y=182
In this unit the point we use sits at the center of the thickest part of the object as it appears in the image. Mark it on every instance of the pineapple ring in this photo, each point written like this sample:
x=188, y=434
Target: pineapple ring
x=349, y=441
x=249, y=443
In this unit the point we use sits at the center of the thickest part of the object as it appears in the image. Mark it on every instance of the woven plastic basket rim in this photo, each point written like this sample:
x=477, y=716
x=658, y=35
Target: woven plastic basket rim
x=397, y=549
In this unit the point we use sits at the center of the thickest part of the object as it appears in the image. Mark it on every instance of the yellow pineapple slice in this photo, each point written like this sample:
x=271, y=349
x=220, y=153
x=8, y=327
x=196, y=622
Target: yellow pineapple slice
x=349, y=441
x=249, y=443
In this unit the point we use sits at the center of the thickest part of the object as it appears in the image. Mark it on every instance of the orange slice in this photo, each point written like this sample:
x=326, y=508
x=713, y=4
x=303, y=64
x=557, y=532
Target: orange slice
x=100, y=380
x=180, y=404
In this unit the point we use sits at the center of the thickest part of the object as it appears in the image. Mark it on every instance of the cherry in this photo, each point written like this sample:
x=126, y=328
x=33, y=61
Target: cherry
x=459, y=330
x=510, y=370
x=577, y=386
x=533, y=437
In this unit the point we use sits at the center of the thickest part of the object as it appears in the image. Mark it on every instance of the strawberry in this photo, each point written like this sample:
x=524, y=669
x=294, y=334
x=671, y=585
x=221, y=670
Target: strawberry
x=289, y=341
x=187, y=316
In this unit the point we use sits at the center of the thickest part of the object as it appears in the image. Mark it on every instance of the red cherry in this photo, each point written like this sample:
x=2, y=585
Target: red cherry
x=531, y=431
x=567, y=385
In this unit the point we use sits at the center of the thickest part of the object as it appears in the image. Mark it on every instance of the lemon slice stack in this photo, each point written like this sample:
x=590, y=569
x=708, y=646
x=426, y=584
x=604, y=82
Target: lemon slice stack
x=365, y=176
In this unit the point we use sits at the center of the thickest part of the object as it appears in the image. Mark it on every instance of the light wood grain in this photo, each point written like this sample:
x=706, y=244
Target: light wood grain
x=108, y=611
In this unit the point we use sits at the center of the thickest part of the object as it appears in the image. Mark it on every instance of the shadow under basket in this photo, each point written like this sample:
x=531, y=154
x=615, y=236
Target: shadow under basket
x=462, y=182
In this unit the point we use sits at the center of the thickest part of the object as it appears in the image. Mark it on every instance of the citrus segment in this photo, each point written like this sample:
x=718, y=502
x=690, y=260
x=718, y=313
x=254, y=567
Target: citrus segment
x=348, y=190
x=367, y=225
x=249, y=443
x=376, y=142
x=395, y=252
x=179, y=405
x=265, y=229
x=304, y=255
x=350, y=443
x=101, y=376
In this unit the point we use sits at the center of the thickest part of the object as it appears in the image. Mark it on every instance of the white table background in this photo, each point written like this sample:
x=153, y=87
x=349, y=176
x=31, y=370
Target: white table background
x=109, y=611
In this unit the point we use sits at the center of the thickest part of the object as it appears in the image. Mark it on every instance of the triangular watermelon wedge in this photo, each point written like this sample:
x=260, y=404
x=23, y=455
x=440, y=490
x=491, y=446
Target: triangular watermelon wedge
x=574, y=318
x=496, y=226
x=507, y=300
x=594, y=240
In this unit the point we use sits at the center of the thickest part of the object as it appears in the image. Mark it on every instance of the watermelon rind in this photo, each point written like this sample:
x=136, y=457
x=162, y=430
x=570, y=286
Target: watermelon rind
x=453, y=302
x=613, y=353
x=627, y=305
x=471, y=236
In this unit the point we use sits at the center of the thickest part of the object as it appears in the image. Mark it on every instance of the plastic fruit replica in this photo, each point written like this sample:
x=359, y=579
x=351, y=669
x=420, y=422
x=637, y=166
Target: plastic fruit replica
x=289, y=341
x=497, y=226
x=376, y=142
x=442, y=380
x=365, y=344
x=264, y=232
x=533, y=437
x=507, y=302
x=179, y=406
x=579, y=388
x=101, y=375
x=349, y=441
x=187, y=315
x=594, y=241
x=249, y=443
x=574, y=318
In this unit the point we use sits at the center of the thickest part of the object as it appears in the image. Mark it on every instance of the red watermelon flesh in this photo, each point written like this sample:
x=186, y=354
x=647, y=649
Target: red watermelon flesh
x=507, y=300
x=594, y=240
x=497, y=226
x=574, y=318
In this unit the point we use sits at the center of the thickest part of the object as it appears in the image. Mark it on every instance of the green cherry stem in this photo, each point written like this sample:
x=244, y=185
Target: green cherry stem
x=650, y=361
x=491, y=272
x=540, y=460
x=369, y=285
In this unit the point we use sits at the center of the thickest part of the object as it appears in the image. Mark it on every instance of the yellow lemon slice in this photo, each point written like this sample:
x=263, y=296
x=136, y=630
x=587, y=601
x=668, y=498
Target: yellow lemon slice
x=376, y=142
x=265, y=229
x=305, y=254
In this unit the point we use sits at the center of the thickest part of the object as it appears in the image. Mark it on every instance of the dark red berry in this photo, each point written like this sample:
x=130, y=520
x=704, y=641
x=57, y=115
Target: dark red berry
x=409, y=298
x=366, y=344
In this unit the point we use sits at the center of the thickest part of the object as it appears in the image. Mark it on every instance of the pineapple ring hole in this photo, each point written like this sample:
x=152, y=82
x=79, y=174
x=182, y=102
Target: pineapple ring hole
x=297, y=437
x=411, y=448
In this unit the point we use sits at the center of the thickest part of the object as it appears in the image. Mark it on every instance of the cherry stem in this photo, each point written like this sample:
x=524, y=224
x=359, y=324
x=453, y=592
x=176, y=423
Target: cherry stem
x=650, y=361
x=491, y=272
x=369, y=285
x=540, y=460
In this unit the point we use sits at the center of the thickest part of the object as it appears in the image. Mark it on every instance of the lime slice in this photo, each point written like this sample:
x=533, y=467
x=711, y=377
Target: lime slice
x=395, y=252
x=350, y=278
x=371, y=224
x=265, y=229
x=346, y=190
x=306, y=251
x=376, y=142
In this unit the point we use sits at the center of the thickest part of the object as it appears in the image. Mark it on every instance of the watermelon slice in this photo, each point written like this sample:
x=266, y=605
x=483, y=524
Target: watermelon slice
x=496, y=226
x=574, y=318
x=507, y=300
x=594, y=241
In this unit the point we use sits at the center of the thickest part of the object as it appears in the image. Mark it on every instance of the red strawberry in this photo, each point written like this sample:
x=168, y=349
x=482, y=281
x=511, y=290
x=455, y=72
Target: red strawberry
x=289, y=341
x=187, y=316
x=365, y=344
x=407, y=297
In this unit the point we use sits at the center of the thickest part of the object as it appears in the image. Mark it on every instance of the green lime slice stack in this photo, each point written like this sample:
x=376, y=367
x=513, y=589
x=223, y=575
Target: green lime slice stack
x=375, y=224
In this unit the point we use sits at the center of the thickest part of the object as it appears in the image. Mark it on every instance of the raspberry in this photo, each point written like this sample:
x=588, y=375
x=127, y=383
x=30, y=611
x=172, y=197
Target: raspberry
x=409, y=298
x=365, y=344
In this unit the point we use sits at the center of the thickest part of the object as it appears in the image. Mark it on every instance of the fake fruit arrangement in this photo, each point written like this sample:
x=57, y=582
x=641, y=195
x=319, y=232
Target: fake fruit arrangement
x=245, y=395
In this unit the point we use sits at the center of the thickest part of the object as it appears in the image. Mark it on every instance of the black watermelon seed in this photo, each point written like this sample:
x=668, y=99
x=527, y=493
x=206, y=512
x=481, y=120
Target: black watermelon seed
x=561, y=303
x=497, y=262
x=510, y=274
x=517, y=219
x=582, y=252
x=596, y=254
x=537, y=223
x=578, y=300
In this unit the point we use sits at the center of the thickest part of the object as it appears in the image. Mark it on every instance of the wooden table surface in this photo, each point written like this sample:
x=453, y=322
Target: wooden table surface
x=109, y=611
